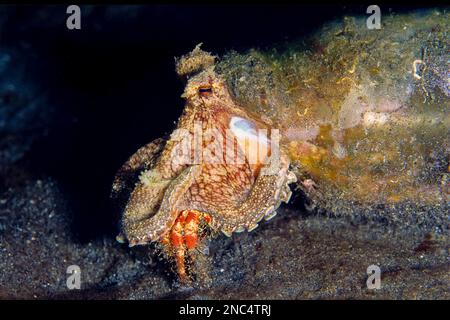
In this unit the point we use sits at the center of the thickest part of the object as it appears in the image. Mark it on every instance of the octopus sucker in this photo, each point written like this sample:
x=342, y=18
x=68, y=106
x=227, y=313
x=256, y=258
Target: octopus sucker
x=355, y=124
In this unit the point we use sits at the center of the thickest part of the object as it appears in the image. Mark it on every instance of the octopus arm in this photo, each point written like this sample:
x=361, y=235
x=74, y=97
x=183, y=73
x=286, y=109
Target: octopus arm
x=141, y=160
x=139, y=223
x=264, y=197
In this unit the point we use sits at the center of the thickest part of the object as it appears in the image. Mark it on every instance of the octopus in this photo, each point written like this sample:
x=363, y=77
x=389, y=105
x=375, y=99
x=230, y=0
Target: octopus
x=359, y=119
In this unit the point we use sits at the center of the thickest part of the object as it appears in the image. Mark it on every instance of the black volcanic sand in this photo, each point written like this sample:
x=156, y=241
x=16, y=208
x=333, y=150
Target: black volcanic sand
x=294, y=256
x=69, y=118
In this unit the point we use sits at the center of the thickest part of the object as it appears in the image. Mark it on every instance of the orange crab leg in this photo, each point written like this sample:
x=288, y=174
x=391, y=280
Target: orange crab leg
x=177, y=241
x=191, y=229
x=192, y=225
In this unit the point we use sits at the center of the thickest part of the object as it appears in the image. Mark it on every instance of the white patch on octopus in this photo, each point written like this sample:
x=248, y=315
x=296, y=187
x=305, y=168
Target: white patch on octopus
x=255, y=144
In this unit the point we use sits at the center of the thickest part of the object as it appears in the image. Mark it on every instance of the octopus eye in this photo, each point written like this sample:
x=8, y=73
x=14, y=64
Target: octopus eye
x=205, y=91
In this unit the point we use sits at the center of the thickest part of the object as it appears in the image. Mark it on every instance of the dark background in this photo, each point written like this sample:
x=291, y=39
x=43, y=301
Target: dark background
x=110, y=87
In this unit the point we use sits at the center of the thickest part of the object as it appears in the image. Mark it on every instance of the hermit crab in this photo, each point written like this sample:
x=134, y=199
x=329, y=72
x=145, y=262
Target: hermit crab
x=358, y=118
